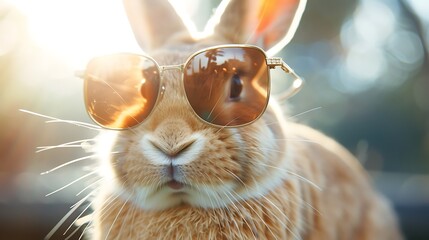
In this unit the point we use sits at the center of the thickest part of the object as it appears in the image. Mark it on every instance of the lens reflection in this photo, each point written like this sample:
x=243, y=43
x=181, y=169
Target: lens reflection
x=227, y=86
x=121, y=89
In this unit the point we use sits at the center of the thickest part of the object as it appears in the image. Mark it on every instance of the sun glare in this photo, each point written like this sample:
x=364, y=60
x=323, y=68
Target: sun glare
x=77, y=30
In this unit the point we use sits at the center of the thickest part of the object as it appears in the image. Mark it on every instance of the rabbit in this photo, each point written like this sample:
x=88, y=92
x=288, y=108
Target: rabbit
x=271, y=179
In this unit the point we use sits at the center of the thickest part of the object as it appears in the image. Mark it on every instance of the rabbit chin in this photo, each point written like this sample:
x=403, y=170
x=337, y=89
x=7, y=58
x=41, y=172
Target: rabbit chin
x=165, y=197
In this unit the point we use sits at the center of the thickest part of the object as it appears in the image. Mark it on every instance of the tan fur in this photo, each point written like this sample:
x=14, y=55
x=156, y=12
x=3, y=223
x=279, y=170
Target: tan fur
x=273, y=179
x=345, y=208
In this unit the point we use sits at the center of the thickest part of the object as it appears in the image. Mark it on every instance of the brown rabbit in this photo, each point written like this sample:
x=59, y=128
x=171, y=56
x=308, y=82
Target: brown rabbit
x=175, y=176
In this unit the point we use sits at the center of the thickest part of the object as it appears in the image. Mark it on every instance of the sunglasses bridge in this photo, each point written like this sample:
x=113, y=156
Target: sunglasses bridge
x=179, y=67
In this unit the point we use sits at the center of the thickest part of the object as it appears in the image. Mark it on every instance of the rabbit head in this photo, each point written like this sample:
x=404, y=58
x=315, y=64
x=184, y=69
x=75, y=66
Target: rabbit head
x=173, y=157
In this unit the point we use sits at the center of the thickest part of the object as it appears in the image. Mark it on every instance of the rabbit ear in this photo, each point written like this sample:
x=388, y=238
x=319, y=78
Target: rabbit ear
x=154, y=22
x=269, y=24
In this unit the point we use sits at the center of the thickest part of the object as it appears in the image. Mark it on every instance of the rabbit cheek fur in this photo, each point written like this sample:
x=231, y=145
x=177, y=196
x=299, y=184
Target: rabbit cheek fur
x=175, y=177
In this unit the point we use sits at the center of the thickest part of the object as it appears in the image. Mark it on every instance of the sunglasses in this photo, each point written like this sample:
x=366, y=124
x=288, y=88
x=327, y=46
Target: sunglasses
x=226, y=86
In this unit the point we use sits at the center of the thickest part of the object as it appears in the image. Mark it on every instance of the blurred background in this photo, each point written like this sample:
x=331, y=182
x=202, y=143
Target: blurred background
x=366, y=68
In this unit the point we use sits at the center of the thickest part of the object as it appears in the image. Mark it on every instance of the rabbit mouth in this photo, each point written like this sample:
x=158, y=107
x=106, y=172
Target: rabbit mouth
x=175, y=185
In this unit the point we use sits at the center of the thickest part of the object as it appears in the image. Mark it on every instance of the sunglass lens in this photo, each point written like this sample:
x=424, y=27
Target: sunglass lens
x=121, y=89
x=228, y=86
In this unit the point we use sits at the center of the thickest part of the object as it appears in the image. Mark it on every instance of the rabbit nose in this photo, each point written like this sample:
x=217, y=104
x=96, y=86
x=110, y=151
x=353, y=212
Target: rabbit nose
x=176, y=150
x=173, y=151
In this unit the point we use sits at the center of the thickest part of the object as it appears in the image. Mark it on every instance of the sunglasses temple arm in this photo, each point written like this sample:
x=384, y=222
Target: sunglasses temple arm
x=297, y=84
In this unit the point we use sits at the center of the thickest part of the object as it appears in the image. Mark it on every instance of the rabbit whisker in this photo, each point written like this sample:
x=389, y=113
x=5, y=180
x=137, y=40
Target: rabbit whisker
x=236, y=201
x=294, y=174
x=76, y=123
x=226, y=125
x=278, y=219
x=223, y=110
x=64, y=145
x=283, y=214
x=45, y=148
x=252, y=209
x=58, y=225
x=132, y=213
x=211, y=112
x=296, y=140
x=73, y=233
x=236, y=177
x=294, y=116
x=68, y=163
x=71, y=183
x=305, y=112
x=90, y=222
x=116, y=218
x=85, y=219
x=257, y=148
x=246, y=219
x=306, y=203
x=89, y=186
x=233, y=204
x=76, y=219
x=104, y=210
x=53, y=119
x=107, y=205
x=86, y=228
x=83, y=199
x=123, y=221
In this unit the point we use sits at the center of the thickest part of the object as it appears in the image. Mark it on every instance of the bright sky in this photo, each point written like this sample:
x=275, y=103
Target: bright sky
x=80, y=29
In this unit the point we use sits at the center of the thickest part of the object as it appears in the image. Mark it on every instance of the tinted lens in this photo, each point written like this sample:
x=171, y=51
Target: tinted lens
x=121, y=90
x=228, y=86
